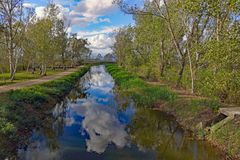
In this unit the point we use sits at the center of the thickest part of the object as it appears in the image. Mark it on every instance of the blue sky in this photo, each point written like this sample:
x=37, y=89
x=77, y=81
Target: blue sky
x=92, y=19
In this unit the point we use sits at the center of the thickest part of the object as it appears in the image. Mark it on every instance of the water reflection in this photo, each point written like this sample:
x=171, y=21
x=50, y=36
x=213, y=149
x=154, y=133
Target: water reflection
x=91, y=124
x=160, y=132
x=102, y=125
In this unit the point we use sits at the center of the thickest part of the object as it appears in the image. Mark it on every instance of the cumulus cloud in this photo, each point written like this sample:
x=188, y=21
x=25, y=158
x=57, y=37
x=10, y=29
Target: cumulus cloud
x=101, y=40
x=94, y=8
x=84, y=12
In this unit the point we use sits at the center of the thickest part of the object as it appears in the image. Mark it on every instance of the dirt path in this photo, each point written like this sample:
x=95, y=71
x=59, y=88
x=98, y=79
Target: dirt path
x=30, y=83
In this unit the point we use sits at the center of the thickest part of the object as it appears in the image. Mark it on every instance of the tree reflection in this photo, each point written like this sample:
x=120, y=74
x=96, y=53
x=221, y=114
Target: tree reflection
x=155, y=131
x=152, y=130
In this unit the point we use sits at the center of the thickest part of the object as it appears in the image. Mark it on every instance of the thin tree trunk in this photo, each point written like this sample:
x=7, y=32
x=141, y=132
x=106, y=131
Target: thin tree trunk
x=28, y=66
x=15, y=67
x=191, y=71
x=11, y=67
x=162, y=70
x=44, y=70
x=162, y=63
x=181, y=71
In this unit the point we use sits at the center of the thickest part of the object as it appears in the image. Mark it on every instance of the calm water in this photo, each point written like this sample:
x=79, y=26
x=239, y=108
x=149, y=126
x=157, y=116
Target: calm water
x=93, y=124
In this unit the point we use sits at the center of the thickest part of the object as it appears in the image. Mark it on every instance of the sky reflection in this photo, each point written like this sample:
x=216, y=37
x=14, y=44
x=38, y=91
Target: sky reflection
x=100, y=113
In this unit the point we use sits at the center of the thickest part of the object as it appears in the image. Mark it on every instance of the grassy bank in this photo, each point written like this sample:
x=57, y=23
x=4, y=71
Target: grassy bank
x=194, y=114
x=134, y=87
x=22, y=110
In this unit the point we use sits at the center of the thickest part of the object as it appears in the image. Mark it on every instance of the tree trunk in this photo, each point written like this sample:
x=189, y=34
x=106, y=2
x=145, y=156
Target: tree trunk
x=181, y=71
x=44, y=70
x=63, y=61
x=191, y=71
x=28, y=66
x=11, y=65
x=162, y=70
x=33, y=67
x=162, y=63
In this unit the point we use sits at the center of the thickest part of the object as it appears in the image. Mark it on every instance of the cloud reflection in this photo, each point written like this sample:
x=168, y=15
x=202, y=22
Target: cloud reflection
x=100, y=113
x=102, y=125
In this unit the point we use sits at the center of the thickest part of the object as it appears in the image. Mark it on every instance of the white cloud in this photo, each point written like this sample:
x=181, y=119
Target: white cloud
x=104, y=30
x=88, y=11
x=101, y=41
x=83, y=13
x=29, y=5
x=101, y=20
x=94, y=8
x=40, y=12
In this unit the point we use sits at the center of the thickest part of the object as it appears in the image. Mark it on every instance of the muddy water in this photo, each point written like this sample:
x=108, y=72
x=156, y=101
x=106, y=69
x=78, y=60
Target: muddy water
x=91, y=124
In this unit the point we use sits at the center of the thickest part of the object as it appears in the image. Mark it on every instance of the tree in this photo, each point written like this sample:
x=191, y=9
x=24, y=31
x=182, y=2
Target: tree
x=123, y=48
x=77, y=49
x=40, y=34
x=10, y=18
x=191, y=43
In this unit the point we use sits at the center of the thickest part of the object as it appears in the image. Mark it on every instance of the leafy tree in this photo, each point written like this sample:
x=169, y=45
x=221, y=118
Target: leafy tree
x=194, y=44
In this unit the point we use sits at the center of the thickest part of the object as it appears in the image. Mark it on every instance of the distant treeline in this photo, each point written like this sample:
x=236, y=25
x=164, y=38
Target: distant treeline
x=194, y=44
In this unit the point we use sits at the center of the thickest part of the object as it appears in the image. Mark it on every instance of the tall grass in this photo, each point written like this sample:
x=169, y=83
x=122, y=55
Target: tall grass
x=142, y=93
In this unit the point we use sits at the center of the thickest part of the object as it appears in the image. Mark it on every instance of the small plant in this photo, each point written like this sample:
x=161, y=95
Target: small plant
x=6, y=127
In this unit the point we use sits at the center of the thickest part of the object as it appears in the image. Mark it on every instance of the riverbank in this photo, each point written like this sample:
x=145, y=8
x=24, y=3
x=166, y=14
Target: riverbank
x=24, y=109
x=195, y=114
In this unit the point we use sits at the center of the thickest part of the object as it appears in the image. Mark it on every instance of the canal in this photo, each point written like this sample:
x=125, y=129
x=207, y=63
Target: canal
x=93, y=123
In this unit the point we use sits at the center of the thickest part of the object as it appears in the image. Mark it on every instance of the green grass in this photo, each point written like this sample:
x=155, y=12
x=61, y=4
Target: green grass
x=16, y=105
x=24, y=76
x=228, y=137
x=134, y=87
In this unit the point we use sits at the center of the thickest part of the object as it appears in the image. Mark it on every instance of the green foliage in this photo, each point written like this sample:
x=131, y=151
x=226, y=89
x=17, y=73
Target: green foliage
x=141, y=92
x=213, y=104
x=28, y=96
x=228, y=137
x=193, y=44
x=6, y=127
